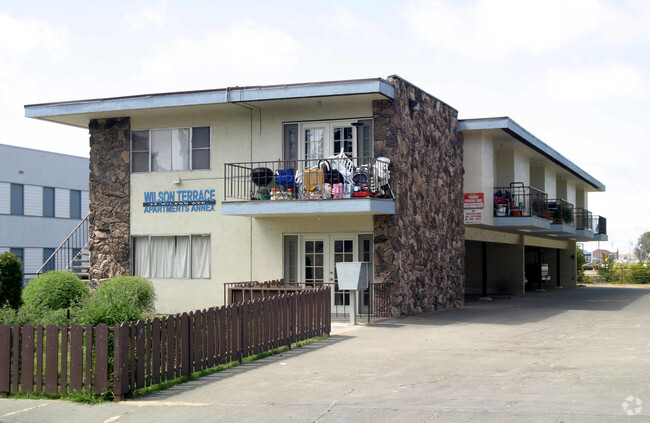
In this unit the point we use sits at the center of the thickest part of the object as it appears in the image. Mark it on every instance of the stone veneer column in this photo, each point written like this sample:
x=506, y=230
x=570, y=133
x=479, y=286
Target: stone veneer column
x=421, y=248
x=109, y=191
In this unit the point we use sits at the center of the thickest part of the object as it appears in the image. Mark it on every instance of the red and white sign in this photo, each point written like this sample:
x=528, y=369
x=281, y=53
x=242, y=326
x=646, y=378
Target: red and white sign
x=473, y=200
x=473, y=216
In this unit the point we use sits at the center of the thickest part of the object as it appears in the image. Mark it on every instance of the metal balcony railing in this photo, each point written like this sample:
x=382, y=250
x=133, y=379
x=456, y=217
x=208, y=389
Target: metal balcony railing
x=561, y=211
x=599, y=225
x=518, y=200
x=315, y=179
x=584, y=219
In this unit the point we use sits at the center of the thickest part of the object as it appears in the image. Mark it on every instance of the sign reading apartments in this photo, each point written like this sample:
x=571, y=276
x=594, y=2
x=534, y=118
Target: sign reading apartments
x=179, y=201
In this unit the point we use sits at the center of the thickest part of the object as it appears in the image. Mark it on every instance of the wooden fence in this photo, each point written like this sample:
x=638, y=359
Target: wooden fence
x=130, y=356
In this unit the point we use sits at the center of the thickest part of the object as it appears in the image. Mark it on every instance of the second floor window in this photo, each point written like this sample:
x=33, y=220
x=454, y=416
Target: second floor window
x=170, y=149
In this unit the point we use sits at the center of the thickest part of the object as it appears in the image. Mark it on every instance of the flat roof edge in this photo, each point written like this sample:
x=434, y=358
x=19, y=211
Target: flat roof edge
x=513, y=128
x=218, y=96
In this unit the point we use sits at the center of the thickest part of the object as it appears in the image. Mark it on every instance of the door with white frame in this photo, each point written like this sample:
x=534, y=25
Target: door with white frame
x=320, y=140
x=318, y=255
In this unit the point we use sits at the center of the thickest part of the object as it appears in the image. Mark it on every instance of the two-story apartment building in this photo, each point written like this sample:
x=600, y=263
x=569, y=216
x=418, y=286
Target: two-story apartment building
x=43, y=197
x=197, y=189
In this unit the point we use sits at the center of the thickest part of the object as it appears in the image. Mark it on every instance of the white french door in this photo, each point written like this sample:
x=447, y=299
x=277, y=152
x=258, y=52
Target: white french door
x=320, y=253
x=321, y=140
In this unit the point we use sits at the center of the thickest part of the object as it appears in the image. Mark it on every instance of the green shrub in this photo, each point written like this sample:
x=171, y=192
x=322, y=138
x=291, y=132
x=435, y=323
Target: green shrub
x=118, y=300
x=54, y=290
x=637, y=273
x=11, y=280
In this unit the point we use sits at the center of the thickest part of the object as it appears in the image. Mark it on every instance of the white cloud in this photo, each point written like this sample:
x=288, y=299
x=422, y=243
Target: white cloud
x=498, y=28
x=240, y=52
x=146, y=16
x=19, y=38
x=596, y=83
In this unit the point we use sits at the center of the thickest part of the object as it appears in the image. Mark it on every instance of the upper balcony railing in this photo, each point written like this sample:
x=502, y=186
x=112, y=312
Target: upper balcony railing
x=518, y=200
x=599, y=225
x=560, y=212
x=316, y=179
x=584, y=219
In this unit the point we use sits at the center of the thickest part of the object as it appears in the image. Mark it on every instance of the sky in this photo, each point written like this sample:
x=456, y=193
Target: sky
x=574, y=73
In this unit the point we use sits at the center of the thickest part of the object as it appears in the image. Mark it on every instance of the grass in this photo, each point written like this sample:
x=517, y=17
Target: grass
x=87, y=397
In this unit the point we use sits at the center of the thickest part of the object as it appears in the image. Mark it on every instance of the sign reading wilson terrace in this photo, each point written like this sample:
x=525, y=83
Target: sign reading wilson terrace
x=179, y=201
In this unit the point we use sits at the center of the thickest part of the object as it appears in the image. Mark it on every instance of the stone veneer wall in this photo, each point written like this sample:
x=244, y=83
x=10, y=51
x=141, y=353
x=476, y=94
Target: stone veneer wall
x=109, y=198
x=420, y=249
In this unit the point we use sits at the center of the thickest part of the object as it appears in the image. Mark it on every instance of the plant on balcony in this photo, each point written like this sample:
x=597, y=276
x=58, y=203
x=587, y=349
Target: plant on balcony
x=556, y=217
x=567, y=216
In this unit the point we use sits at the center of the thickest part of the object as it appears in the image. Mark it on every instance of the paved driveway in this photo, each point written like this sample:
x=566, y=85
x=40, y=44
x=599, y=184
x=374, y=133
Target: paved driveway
x=573, y=355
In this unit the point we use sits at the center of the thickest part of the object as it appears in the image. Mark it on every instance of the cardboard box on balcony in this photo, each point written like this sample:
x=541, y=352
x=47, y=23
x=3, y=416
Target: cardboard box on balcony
x=313, y=177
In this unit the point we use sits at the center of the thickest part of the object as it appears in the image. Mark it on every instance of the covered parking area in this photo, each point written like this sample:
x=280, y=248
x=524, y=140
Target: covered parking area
x=500, y=263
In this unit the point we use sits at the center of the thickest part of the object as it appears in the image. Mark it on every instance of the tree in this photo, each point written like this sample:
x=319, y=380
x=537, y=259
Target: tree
x=643, y=246
x=11, y=280
x=580, y=261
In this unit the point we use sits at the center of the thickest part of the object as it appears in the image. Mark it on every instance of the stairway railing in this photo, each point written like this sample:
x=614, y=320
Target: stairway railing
x=70, y=249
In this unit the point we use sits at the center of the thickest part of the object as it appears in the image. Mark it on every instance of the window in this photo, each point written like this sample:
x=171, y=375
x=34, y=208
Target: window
x=20, y=253
x=180, y=256
x=75, y=204
x=48, y=202
x=17, y=200
x=47, y=253
x=170, y=149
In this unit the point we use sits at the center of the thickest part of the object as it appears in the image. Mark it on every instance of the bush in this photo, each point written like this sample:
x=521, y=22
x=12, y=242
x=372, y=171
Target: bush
x=637, y=273
x=11, y=280
x=55, y=290
x=24, y=316
x=118, y=300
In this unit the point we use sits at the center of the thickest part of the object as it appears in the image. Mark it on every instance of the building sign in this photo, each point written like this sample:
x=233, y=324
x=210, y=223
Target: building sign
x=179, y=201
x=473, y=208
x=473, y=216
x=473, y=200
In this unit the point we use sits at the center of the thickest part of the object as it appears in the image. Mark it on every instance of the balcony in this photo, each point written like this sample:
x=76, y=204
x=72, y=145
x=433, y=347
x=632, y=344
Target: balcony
x=521, y=207
x=336, y=185
x=561, y=215
x=600, y=228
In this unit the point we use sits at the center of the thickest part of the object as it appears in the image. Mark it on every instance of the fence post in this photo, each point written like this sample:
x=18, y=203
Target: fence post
x=5, y=360
x=185, y=344
x=52, y=359
x=27, y=359
x=101, y=358
x=120, y=361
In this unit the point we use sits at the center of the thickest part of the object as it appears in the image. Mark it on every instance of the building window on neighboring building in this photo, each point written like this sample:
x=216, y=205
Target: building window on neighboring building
x=75, y=204
x=165, y=257
x=47, y=253
x=17, y=200
x=48, y=202
x=20, y=253
x=170, y=149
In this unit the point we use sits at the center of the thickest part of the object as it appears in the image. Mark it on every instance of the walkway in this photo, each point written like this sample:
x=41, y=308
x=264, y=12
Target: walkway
x=572, y=355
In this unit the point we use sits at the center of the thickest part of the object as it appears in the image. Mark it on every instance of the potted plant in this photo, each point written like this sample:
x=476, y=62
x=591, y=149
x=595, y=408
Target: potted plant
x=557, y=215
x=567, y=215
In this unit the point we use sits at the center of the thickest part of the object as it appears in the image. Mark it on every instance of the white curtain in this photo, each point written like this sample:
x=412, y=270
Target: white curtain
x=182, y=258
x=200, y=256
x=162, y=256
x=180, y=139
x=142, y=257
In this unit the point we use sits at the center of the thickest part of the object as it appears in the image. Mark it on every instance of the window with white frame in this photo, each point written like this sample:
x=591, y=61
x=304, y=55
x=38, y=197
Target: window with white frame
x=155, y=150
x=172, y=256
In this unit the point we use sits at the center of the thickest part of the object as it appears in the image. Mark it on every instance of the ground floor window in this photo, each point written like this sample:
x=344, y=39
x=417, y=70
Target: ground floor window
x=172, y=256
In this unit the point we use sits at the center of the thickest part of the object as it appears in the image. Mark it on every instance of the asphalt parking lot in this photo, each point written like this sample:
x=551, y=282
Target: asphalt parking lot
x=571, y=355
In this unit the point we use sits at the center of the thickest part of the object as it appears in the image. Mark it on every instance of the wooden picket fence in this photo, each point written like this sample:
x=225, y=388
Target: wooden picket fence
x=130, y=356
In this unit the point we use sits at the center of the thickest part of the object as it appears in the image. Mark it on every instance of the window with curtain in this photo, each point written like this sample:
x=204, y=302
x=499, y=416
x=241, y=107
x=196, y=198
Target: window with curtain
x=170, y=149
x=172, y=257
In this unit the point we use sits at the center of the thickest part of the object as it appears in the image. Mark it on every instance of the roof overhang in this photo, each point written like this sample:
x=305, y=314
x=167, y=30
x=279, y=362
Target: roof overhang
x=78, y=113
x=516, y=131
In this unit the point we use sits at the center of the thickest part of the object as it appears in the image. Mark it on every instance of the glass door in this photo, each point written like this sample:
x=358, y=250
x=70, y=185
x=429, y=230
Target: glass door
x=342, y=250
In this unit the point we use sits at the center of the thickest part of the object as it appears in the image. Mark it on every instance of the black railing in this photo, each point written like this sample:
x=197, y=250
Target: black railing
x=66, y=255
x=584, y=220
x=599, y=225
x=316, y=179
x=560, y=211
x=518, y=200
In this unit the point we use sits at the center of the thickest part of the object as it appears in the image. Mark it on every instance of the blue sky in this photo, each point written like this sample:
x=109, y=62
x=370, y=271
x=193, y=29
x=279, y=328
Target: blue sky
x=576, y=74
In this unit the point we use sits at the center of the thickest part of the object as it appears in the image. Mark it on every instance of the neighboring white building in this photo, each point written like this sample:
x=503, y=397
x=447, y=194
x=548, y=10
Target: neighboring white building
x=43, y=197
